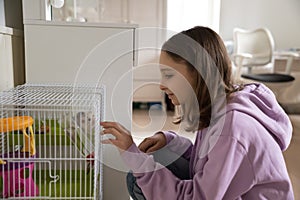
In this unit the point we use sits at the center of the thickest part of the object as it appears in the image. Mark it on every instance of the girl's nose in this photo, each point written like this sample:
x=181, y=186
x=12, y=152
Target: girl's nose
x=162, y=87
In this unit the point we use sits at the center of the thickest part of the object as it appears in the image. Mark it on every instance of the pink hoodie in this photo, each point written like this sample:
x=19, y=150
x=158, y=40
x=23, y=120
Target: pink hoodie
x=242, y=161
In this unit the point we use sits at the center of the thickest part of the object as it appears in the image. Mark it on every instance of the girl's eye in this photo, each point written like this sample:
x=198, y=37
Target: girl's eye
x=168, y=76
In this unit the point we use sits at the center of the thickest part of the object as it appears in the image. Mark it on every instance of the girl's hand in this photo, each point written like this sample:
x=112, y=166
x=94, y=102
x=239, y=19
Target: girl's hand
x=153, y=143
x=122, y=140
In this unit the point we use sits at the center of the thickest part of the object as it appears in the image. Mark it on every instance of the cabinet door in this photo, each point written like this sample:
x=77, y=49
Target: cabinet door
x=83, y=53
x=6, y=63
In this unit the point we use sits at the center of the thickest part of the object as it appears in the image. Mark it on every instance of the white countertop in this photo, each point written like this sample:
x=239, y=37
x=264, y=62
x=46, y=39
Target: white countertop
x=87, y=24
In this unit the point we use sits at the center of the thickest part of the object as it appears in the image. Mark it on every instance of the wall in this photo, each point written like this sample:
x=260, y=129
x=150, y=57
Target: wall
x=280, y=16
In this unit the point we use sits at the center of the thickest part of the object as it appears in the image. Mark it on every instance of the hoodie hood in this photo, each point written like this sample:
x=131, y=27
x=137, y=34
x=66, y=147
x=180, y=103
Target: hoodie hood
x=258, y=101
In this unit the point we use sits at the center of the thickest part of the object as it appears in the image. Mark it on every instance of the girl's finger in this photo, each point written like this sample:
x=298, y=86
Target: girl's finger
x=113, y=125
x=145, y=145
x=112, y=131
x=153, y=148
x=109, y=125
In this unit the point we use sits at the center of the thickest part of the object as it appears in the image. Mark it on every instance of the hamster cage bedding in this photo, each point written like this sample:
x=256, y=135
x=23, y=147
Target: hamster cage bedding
x=50, y=143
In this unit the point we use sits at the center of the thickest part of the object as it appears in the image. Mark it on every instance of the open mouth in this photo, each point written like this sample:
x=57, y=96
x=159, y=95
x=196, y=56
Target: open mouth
x=170, y=95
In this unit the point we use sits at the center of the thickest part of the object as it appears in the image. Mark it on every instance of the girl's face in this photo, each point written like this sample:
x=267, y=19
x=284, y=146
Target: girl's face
x=177, y=81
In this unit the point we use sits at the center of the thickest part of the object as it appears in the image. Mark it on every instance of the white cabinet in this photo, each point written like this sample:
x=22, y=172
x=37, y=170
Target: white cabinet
x=11, y=58
x=62, y=52
x=146, y=14
x=94, y=53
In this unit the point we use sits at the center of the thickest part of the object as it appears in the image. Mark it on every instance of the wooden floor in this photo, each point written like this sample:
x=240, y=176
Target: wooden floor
x=146, y=123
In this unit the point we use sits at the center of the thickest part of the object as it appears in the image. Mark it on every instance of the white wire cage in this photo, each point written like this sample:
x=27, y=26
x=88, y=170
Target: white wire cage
x=50, y=142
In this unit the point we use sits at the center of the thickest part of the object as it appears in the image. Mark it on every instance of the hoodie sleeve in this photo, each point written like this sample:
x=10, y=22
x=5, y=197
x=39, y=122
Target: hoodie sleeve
x=224, y=168
x=178, y=144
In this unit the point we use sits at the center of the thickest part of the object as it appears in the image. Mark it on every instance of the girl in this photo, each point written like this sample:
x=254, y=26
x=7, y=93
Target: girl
x=241, y=131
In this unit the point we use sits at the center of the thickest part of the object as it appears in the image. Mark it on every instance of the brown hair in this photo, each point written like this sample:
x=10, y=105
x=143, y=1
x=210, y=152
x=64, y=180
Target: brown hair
x=204, y=52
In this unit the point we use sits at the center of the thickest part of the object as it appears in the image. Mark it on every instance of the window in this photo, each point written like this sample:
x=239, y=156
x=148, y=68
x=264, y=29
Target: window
x=184, y=14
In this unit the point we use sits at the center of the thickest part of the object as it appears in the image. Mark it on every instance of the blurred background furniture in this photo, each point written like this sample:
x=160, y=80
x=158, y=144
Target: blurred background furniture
x=254, y=50
x=253, y=57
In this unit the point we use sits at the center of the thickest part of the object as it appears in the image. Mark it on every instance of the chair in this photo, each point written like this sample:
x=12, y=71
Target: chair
x=254, y=50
